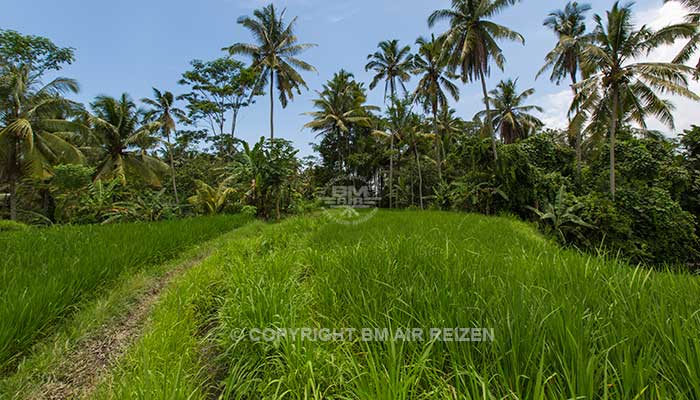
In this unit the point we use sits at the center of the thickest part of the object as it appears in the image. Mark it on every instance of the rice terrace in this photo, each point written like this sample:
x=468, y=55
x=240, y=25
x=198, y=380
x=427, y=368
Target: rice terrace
x=307, y=199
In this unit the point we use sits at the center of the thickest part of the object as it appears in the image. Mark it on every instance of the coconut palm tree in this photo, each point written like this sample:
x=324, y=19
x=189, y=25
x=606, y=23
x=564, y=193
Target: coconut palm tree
x=509, y=115
x=564, y=60
x=391, y=64
x=275, y=55
x=434, y=87
x=163, y=111
x=33, y=134
x=618, y=87
x=472, y=42
x=118, y=130
x=690, y=49
x=341, y=106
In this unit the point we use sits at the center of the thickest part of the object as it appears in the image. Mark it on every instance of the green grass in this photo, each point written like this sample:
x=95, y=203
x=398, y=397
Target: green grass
x=566, y=325
x=47, y=356
x=168, y=362
x=47, y=274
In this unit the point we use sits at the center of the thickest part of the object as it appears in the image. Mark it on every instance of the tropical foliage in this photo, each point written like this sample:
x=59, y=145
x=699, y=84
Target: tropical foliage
x=275, y=55
x=391, y=64
x=472, y=42
x=604, y=182
x=510, y=117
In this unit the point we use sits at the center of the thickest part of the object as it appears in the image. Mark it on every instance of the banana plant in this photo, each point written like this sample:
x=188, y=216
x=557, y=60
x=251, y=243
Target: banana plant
x=211, y=200
x=562, y=218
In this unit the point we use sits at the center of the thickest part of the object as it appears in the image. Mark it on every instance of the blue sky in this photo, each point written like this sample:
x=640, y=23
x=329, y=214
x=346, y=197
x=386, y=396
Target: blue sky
x=131, y=46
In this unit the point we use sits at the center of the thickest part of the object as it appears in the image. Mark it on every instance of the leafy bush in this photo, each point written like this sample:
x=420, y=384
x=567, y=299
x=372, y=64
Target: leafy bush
x=544, y=152
x=71, y=177
x=644, y=224
x=147, y=206
x=666, y=231
x=12, y=226
x=249, y=211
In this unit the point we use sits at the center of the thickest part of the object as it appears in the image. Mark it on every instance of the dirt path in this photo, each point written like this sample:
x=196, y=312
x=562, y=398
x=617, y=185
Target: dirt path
x=80, y=372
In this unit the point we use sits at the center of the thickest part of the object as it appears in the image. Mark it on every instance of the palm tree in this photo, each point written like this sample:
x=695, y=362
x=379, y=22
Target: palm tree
x=274, y=55
x=509, y=116
x=618, y=88
x=450, y=126
x=565, y=59
x=471, y=42
x=163, y=112
x=434, y=86
x=33, y=134
x=390, y=64
x=341, y=106
x=118, y=130
x=690, y=49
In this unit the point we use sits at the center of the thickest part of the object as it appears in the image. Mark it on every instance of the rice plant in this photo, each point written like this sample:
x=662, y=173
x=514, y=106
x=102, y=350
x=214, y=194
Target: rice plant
x=45, y=274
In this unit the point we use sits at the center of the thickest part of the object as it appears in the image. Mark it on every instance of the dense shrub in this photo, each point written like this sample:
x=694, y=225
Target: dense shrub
x=644, y=224
x=665, y=230
x=12, y=226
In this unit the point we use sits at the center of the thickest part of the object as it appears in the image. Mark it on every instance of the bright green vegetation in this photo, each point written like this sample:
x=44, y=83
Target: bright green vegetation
x=565, y=324
x=10, y=226
x=165, y=363
x=48, y=354
x=45, y=274
x=604, y=180
x=111, y=307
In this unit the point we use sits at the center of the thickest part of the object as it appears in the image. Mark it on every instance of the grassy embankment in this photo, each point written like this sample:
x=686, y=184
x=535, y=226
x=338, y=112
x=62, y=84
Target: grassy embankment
x=565, y=325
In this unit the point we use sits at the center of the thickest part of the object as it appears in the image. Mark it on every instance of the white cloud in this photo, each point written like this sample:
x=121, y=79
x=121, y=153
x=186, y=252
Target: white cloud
x=556, y=107
x=659, y=17
x=686, y=112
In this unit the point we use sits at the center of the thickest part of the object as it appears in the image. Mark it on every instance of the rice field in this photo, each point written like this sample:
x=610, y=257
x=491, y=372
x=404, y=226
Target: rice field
x=503, y=312
x=47, y=274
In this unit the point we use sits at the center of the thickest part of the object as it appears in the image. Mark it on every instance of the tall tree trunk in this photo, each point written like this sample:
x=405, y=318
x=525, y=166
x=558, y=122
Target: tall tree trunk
x=277, y=206
x=438, y=140
x=272, y=104
x=348, y=152
x=222, y=145
x=391, y=150
x=45, y=201
x=172, y=167
x=13, y=198
x=579, y=152
x=391, y=171
x=14, y=177
x=234, y=119
x=613, y=133
x=420, y=173
x=489, y=122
